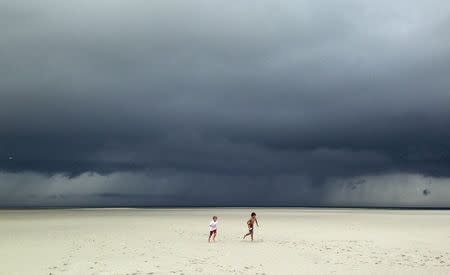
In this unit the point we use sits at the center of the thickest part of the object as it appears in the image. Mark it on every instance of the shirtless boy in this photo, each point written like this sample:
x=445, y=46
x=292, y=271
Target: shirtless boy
x=250, y=224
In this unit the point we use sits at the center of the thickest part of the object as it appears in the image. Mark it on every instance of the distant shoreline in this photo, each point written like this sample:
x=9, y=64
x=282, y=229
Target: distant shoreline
x=208, y=206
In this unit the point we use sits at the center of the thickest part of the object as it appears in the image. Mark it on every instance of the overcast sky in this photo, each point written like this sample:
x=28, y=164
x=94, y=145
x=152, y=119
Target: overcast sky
x=106, y=102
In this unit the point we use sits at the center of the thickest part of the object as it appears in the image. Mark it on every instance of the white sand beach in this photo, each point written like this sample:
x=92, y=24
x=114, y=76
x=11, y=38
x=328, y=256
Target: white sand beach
x=174, y=241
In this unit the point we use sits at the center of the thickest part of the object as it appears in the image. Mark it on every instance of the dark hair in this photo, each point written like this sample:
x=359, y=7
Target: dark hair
x=253, y=214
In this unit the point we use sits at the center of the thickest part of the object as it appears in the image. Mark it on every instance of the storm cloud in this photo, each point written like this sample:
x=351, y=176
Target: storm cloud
x=280, y=100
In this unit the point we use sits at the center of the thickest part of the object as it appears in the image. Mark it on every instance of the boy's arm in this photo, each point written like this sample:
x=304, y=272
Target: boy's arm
x=256, y=222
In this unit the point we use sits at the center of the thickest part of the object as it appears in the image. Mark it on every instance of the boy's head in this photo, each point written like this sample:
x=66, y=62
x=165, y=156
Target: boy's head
x=215, y=218
x=253, y=214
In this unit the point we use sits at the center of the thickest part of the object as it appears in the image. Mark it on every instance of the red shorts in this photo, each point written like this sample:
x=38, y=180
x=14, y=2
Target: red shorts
x=212, y=232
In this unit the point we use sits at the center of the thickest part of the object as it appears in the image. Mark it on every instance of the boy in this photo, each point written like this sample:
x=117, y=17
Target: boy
x=213, y=229
x=250, y=224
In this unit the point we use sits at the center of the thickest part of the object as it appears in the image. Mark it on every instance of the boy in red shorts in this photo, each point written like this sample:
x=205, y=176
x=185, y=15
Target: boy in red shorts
x=250, y=223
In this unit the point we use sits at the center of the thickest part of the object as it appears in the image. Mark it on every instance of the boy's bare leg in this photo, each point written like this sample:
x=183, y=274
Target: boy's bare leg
x=251, y=235
x=214, y=237
x=246, y=235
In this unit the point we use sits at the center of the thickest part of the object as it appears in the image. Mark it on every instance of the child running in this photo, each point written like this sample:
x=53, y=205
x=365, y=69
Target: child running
x=250, y=224
x=213, y=229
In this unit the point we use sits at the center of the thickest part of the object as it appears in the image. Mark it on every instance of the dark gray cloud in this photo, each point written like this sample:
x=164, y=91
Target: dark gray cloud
x=169, y=188
x=245, y=93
